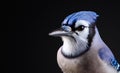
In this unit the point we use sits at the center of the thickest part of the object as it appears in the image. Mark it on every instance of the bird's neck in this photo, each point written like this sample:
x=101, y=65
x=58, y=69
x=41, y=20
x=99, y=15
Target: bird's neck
x=71, y=47
x=97, y=41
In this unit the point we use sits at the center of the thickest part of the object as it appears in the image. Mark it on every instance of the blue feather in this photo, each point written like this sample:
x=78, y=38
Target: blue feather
x=89, y=16
x=115, y=64
x=106, y=55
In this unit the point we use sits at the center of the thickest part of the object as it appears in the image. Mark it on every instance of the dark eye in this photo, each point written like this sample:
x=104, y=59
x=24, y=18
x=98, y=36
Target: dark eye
x=80, y=28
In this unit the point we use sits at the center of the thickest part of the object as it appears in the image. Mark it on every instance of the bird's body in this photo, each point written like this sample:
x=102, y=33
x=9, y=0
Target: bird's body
x=83, y=50
x=90, y=62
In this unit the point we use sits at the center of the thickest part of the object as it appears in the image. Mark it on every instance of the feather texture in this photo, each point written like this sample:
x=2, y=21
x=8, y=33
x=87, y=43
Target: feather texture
x=107, y=56
x=89, y=16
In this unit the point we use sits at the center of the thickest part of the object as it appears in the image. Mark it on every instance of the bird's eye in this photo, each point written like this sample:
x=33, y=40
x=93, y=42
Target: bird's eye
x=80, y=28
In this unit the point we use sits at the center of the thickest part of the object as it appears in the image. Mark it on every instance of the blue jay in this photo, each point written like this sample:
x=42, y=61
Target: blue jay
x=83, y=50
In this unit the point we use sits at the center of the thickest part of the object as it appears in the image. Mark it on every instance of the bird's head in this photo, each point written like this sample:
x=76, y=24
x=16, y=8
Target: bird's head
x=77, y=31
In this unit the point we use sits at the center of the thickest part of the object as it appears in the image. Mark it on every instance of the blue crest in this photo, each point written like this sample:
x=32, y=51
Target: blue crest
x=89, y=16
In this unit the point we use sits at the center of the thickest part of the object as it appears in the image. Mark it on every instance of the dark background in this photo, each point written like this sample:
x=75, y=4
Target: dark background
x=31, y=50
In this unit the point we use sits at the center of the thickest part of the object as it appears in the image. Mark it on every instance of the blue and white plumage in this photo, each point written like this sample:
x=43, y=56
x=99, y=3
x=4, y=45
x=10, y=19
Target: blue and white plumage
x=83, y=50
x=83, y=15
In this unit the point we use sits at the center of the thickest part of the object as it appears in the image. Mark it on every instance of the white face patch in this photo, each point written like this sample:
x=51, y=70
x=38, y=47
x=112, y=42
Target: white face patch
x=84, y=33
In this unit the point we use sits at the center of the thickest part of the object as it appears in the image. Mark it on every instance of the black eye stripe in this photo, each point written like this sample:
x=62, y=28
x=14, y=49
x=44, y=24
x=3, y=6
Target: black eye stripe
x=79, y=28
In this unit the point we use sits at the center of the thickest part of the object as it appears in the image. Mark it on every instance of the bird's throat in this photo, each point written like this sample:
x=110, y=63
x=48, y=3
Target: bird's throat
x=72, y=47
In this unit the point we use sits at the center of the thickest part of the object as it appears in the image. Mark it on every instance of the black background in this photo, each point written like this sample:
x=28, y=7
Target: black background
x=31, y=50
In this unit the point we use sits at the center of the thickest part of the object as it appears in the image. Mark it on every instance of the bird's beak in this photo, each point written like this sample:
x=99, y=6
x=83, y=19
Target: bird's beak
x=63, y=31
